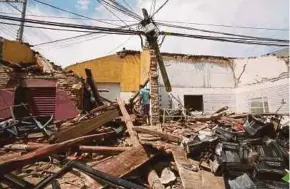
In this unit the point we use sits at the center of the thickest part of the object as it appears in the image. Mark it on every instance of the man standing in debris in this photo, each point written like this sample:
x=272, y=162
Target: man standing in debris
x=145, y=102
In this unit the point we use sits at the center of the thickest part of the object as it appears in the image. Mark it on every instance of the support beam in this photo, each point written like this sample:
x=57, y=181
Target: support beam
x=164, y=136
x=87, y=126
x=37, y=155
x=129, y=123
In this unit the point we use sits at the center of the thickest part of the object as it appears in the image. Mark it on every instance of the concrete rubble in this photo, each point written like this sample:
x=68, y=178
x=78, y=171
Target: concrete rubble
x=107, y=145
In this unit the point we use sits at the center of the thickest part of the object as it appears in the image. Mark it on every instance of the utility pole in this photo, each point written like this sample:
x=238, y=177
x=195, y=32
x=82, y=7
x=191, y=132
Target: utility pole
x=23, y=14
x=152, y=35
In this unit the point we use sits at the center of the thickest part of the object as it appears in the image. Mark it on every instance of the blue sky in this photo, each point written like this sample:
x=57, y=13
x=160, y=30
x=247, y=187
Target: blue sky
x=252, y=13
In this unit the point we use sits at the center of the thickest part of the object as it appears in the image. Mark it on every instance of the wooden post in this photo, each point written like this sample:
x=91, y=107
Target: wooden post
x=129, y=123
x=93, y=86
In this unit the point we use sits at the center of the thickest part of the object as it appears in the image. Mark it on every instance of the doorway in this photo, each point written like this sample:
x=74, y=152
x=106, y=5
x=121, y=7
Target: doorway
x=193, y=102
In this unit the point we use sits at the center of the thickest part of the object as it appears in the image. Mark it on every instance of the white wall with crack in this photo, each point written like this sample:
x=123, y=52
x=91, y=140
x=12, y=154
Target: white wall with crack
x=245, y=85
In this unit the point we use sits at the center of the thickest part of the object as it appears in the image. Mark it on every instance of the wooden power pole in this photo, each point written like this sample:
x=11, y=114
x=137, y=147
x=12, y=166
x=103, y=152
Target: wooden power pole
x=152, y=35
x=23, y=14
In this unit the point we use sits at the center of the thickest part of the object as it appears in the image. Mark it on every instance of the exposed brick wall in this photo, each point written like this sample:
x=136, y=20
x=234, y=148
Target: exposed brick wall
x=154, y=89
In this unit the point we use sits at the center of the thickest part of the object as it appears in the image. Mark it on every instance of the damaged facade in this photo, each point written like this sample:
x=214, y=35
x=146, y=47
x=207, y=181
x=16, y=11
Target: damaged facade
x=36, y=79
x=206, y=82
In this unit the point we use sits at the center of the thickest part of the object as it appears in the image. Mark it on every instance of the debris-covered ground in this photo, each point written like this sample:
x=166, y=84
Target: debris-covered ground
x=91, y=142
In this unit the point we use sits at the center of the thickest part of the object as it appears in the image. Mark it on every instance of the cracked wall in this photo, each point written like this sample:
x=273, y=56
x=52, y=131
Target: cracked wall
x=232, y=82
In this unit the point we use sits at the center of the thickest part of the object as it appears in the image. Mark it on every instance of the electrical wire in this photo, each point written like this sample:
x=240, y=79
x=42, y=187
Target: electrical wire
x=69, y=18
x=128, y=5
x=118, y=7
x=222, y=33
x=76, y=14
x=152, y=8
x=110, y=52
x=227, y=39
x=49, y=28
x=112, y=12
x=226, y=26
x=162, y=21
x=69, y=38
x=67, y=25
x=76, y=42
x=7, y=32
x=15, y=7
x=160, y=8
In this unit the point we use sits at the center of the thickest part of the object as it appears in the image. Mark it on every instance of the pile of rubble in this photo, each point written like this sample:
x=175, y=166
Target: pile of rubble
x=107, y=145
x=104, y=147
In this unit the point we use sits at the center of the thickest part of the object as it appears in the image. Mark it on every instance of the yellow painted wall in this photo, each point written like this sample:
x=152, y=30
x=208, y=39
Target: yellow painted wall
x=106, y=69
x=145, y=66
x=16, y=52
x=113, y=69
x=130, y=78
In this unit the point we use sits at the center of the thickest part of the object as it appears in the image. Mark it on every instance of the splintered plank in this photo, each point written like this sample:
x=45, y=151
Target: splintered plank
x=194, y=180
x=125, y=162
x=87, y=126
x=129, y=123
x=164, y=136
x=190, y=179
x=9, y=165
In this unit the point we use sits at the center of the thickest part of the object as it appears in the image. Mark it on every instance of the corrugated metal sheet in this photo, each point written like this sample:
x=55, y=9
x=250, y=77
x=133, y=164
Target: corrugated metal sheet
x=42, y=101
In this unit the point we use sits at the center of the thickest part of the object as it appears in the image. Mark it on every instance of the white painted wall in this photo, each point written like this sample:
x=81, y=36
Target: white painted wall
x=114, y=90
x=213, y=98
x=187, y=74
x=274, y=91
x=259, y=68
x=216, y=83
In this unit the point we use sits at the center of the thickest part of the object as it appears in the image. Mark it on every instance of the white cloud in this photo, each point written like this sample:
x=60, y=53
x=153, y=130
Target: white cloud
x=83, y=4
x=255, y=13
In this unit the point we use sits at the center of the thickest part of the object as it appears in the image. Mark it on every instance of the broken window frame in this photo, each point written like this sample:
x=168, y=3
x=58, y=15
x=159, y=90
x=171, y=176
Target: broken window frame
x=262, y=107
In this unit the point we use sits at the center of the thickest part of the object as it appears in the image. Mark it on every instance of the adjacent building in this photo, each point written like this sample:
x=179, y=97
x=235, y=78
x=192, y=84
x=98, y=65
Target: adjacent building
x=199, y=83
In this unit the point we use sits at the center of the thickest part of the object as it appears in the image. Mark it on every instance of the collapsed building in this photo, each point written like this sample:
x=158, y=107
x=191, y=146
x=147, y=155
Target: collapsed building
x=28, y=77
x=78, y=133
x=200, y=83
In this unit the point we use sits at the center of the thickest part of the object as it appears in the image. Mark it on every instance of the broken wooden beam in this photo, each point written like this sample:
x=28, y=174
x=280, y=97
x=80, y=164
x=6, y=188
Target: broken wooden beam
x=37, y=155
x=125, y=162
x=104, y=150
x=190, y=179
x=104, y=176
x=164, y=136
x=206, y=118
x=93, y=86
x=221, y=110
x=9, y=156
x=103, y=108
x=129, y=123
x=83, y=128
